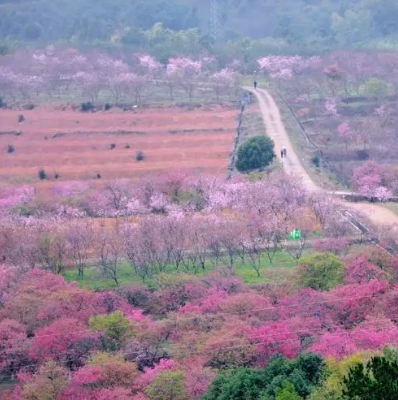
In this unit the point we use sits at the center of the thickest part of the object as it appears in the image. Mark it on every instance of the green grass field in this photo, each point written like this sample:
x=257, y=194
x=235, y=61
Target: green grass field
x=391, y=206
x=281, y=267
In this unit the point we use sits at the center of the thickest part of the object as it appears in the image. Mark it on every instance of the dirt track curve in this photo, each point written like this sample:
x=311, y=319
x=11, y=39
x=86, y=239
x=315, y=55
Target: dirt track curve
x=292, y=164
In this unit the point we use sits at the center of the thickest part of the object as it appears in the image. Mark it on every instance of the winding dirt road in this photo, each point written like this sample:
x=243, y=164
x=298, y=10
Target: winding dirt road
x=292, y=165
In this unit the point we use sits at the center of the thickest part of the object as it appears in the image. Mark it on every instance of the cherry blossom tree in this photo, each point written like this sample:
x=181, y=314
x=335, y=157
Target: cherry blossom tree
x=188, y=72
x=67, y=341
x=49, y=382
x=274, y=339
x=14, y=347
x=80, y=241
x=223, y=82
x=109, y=251
x=368, y=180
x=344, y=133
x=90, y=84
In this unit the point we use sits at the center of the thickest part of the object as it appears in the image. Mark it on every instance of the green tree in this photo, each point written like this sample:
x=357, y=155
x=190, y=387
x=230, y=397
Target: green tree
x=332, y=387
x=115, y=327
x=353, y=27
x=257, y=152
x=288, y=378
x=243, y=383
x=167, y=385
x=320, y=272
x=375, y=381
x=32, y=31
x=287, y=392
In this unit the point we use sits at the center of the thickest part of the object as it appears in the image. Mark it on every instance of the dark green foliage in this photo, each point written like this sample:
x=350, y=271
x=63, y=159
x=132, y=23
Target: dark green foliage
x=57, y=175
x=316, y=161
x=10, y=148
x=42, y=174
x=4, y=49
x=375, y=381
x=107, y=107
x=29, y=106
x=2, y=104
x=85, y=107
x=21, y=118
x=296, y=379
x=289, y=25
x=362, y=155
x=243, y=383
x=112, y=146
x=32, y=31
x=140, y=156
x=257, y=152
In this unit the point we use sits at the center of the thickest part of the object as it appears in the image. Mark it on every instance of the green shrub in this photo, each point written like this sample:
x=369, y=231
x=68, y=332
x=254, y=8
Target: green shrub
x=86, y=106
x=320, y=272
x=256, y=153
x=2, y=104
x=21, y=118
x=316, y=161
x=29, y=106
x=140, y=156
x=57, y=175
x=26, y=210
x=42, y=174
x=362, y=155
x=107, y=107
x=10, y=149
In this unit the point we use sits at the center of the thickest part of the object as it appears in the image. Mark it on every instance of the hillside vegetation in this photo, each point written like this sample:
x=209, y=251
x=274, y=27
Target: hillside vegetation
x=304, y=25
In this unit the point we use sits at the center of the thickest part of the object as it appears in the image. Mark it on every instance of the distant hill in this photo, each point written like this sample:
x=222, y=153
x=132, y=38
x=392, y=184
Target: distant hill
x=300, y=23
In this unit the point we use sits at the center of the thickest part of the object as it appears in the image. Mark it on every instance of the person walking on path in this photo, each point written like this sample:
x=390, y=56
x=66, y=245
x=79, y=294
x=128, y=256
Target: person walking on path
x=284, y=152
x=255, y=84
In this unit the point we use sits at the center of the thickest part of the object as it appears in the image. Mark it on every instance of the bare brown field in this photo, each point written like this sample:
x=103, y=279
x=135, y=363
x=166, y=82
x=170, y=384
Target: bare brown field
x=77, y=145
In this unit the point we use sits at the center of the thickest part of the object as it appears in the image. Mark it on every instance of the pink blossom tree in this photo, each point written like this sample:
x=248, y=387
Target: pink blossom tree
x=274, y=339
x=188, y=72
x=223, y=82
x=80, y=241
x=344, y=133
x=65, y=340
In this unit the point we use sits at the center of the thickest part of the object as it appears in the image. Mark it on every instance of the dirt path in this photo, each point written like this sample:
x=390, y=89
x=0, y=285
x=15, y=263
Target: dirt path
x=292, y=164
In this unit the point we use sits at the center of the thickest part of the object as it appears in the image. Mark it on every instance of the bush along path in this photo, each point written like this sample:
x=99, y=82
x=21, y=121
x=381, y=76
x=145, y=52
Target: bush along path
x=292, y=165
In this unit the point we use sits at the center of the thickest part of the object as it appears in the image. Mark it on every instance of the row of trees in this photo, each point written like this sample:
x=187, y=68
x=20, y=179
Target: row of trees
x=338, y=74
x=246, y=231
x=55, y=72
x=172, y=193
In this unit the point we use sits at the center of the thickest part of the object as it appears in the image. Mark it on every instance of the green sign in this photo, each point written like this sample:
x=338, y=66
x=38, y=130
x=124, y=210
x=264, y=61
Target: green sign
x=295, y=235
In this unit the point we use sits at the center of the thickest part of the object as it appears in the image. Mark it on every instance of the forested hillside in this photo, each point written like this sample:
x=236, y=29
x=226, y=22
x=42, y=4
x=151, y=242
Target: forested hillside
x=311, y=25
